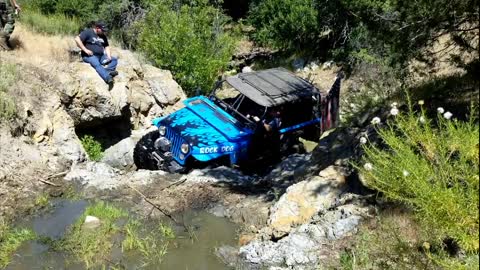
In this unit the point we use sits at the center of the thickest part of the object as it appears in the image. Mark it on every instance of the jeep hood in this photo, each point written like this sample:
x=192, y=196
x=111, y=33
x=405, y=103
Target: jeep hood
x=202, y=123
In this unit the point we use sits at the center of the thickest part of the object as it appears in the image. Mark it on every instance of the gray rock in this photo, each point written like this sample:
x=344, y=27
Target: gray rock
x=91, y=222
x=102, y=176
x=342, y=227
x=164, y=89
x=218, y=175
x=65, y=139
x=120, y=155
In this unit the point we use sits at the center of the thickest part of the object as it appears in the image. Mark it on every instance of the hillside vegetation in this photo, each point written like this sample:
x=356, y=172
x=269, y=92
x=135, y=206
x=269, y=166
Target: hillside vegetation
x=422, y=55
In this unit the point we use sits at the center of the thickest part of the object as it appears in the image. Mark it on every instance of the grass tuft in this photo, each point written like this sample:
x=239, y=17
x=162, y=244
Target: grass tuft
x=92, y=245
x=53, y=24
x=10, y=240
x=152, y=244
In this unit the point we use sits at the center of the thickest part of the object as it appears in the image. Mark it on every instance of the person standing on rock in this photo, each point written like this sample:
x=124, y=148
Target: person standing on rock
x=8, y=8
x=96, y=51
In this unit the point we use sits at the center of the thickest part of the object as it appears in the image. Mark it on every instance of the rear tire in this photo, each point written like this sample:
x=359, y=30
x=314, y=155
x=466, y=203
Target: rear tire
x=143, y=149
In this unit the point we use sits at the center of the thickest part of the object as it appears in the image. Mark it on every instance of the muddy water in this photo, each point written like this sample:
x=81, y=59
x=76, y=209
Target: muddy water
x=190, y=250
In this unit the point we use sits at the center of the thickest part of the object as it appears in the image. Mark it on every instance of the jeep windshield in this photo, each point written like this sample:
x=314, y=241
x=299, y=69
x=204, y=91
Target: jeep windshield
x=236, y=104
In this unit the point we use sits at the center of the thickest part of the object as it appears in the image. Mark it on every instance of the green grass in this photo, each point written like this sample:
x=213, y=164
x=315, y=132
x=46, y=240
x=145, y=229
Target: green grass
x=91, y=246
x=93, y=147
x=53, y=24
x=10, y=240
x=430, y=165
x=42, y=200
x=8, y=75
x=152, y=244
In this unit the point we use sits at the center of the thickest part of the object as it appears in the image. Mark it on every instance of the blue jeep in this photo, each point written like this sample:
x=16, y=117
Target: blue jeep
x=230, y=125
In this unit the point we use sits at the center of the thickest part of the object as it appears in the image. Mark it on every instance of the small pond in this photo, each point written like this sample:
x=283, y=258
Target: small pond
x=193, y=246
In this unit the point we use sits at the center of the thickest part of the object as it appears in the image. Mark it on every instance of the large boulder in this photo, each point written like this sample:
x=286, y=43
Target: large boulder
x=138, y=89
x=305, y=199
x=120, y=155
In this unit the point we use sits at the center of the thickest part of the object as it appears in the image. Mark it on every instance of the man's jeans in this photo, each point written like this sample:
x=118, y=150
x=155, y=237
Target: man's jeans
x=104, y=72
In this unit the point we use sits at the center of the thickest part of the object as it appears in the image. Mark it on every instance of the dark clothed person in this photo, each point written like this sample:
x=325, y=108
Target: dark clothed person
x=8, y=8
x=96, y=51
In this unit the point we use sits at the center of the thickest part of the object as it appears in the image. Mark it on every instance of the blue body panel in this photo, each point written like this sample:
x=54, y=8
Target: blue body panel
x=210, y=131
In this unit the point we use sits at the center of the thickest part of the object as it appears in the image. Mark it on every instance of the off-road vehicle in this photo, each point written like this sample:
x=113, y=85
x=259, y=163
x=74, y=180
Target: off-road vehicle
x=228, y=126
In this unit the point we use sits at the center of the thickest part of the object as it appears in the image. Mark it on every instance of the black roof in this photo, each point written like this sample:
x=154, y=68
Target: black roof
x=271, y=87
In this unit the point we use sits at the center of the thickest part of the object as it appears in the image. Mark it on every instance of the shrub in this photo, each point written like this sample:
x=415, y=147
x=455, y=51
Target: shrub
x=93, y=148
x=188, y=40
x=123, y=17
x=431, y=166
x=284, y=24
x=8, y=73
x=298, y=24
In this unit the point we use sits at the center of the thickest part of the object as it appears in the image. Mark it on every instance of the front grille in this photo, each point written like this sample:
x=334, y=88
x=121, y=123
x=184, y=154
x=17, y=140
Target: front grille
x=176, y=142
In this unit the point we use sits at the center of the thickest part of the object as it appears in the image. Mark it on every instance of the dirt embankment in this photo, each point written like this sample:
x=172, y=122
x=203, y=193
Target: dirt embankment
x=24, y=162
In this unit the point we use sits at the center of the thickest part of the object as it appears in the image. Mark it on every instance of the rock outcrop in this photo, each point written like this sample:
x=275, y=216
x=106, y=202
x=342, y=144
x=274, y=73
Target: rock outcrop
x=140, y=92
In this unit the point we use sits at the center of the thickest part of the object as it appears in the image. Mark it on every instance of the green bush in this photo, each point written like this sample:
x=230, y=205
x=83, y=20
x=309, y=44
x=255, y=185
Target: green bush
x=44, y=6
x=123, y=17
x=189, y=41
x=93, y=147
x=285, y=24
x=431, y=165
x=8, y=73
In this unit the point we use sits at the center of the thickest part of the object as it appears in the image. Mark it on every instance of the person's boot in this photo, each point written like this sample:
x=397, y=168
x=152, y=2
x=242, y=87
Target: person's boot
x=4, y=46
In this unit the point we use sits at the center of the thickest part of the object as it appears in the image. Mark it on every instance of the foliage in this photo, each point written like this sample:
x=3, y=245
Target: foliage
x=152, y=244
x=297, y=24
x=393, y=241
x=53, y=24
x=408, y=27
x=91, y=245
x=432, y=166
x=366, y=92
x=9, y=75
x=188, y=40
x=285, y=24
x=70, y=8
x=10, y=240
x=93, y=148
x=122, y=16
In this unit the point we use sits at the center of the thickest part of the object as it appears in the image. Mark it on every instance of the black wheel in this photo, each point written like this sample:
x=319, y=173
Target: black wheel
x=141, y=152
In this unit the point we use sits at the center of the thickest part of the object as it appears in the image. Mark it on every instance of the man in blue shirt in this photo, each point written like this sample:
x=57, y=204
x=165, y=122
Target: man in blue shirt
x=96, y=51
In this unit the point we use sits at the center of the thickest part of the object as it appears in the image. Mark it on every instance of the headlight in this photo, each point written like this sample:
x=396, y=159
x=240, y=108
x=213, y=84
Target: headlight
x=184, y=148
x=162, y=130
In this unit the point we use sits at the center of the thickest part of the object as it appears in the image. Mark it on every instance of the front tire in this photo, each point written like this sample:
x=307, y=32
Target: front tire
x=143, y=149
